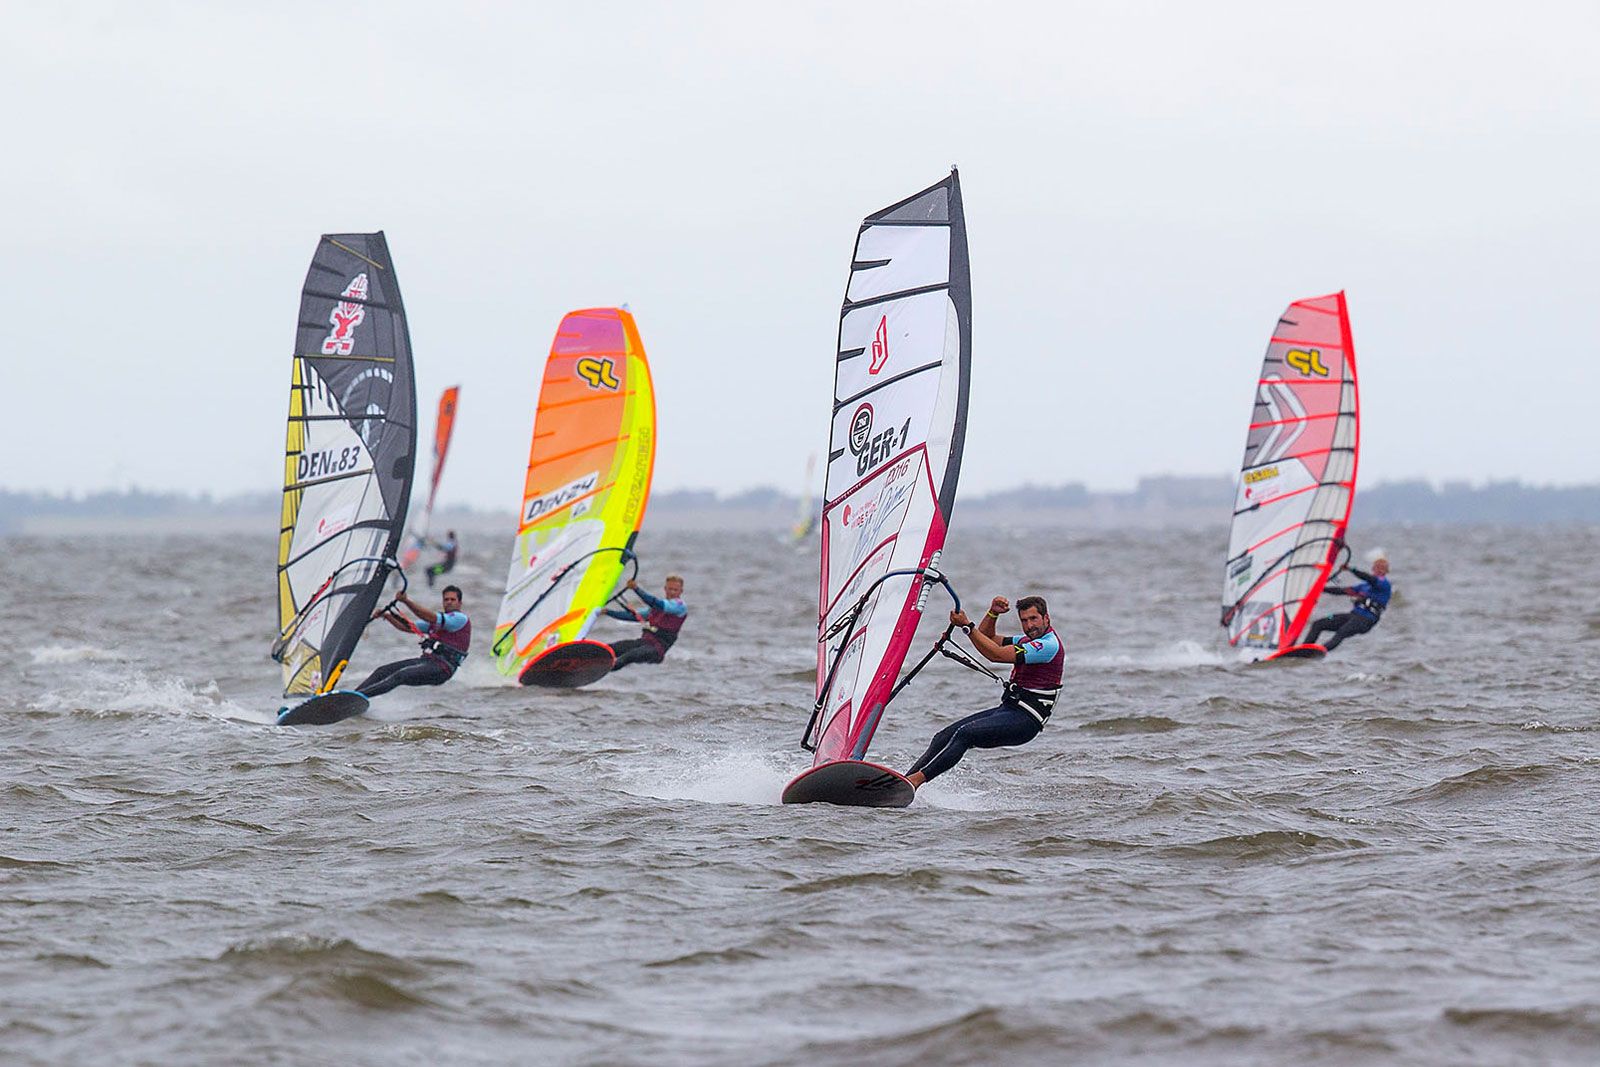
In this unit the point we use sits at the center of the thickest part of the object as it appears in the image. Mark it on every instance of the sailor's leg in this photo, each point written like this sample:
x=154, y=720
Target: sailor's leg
x=636, y=650
x=424, y=670
x=942, y=738
x=1353, y=624
x=375, y=682
x=1000, y=727
x=1336, y=623
x=1325, y=623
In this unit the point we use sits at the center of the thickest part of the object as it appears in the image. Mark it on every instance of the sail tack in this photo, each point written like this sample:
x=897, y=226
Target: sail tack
x=1297, y=480
x=898, y=426
x=586, y=489
x=348, y=458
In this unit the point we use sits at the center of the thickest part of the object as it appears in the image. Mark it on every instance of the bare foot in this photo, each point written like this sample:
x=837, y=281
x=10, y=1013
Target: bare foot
x=916, y=778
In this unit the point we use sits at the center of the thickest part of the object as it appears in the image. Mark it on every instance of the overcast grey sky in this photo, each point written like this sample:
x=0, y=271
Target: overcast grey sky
x=1147, y=186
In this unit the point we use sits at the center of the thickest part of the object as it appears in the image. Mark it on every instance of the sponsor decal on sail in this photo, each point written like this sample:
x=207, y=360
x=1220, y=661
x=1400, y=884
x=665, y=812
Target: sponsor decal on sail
x=345, y=317
x=539, y=507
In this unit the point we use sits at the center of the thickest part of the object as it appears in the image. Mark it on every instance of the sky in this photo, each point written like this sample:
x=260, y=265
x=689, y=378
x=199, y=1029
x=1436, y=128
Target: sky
x=1147, y=186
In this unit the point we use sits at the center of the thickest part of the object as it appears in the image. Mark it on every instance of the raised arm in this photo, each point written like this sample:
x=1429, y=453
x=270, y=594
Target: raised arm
x=988, y=646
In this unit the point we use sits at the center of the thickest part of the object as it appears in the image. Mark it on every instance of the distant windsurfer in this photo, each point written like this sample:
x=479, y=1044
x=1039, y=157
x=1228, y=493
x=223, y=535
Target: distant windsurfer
x=1371, y=596
x=667, y=616
x=445, y=633
x=1038, y=660
x=449, y=547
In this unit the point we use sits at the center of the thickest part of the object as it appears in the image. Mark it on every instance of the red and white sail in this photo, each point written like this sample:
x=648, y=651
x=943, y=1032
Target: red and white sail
x=1297, y=481
x=899, y=421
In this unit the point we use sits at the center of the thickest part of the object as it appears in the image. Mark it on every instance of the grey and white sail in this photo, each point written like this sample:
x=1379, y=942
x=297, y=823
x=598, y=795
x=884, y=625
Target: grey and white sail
x=348, y=459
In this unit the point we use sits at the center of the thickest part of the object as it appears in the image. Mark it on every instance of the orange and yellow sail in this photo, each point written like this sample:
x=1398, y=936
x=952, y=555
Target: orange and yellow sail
x=586, y=488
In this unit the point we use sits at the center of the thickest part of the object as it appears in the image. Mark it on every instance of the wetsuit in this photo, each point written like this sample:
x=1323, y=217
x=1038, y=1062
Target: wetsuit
x=661, y=628
x=1021, y=714
x=446, y=565
x=1372, y=596
x=444, y=647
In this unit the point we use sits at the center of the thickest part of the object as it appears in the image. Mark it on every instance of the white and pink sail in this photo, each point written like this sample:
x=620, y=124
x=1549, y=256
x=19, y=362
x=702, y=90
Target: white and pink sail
x=899, y=421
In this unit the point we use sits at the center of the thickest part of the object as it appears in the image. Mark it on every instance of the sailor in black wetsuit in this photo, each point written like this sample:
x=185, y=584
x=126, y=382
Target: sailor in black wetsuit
x=446, y=634
x=1371, y=596
x=1038, y=661
x=667, y=616
x=449, y=547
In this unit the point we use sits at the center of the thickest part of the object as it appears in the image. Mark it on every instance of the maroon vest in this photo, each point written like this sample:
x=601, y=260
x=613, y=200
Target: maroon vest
x=662, y=627
x=1035, y=685
x=450, y=648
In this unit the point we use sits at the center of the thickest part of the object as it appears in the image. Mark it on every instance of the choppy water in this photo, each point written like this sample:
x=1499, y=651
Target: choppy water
x=1390, y=856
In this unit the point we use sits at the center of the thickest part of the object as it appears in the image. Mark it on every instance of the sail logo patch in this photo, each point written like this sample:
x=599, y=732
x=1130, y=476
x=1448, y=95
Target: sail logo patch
x=860, y=429
x=327, y=463
x=880, y=346
x=1260, y=474
x=550, y=503
x=345, y=317
x=598, y=373
x=1308, y=361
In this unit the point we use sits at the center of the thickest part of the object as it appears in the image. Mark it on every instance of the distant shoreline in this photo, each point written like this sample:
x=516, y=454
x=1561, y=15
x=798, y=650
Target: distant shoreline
x=1155, y=503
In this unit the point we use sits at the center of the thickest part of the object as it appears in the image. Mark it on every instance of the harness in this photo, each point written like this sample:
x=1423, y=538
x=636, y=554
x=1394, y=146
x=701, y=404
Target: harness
x=454, y=657
x=1036, y=702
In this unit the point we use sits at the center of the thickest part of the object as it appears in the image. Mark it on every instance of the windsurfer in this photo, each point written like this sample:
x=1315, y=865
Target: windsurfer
x=1371, y=596
x=1038, y=660
x=445, y=633
x=667, y=615
x=448, y=546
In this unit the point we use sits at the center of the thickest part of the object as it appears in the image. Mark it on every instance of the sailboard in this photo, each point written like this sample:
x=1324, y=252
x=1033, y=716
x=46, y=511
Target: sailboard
x=583, y=500
x=898, y=426
x=348, y=459
x=1297, y=482
x=442, y=429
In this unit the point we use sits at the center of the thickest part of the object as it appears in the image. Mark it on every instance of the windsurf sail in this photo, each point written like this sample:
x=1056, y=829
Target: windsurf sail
x=588, y=481
x=442, y=429
x=805, y=519
x=348, y=461
x=1297, y=481
x=898, y=426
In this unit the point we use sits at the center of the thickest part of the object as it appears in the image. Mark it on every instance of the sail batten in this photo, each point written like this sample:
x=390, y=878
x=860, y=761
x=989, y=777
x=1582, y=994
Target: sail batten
x=1296, y=481
x=348, y=459
x=901, y=371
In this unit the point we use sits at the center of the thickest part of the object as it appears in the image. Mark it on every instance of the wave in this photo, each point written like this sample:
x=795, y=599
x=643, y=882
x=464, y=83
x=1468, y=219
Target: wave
x=1133, y=724
x=731, y=777
x=1264, y=845
x=143, y=694
x=1177, y=656
x=1486, y=781
x=1581, y=1020
x=52, y=654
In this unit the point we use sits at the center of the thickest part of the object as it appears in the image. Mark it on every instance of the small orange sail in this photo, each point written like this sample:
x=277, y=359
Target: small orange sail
x=441, y=448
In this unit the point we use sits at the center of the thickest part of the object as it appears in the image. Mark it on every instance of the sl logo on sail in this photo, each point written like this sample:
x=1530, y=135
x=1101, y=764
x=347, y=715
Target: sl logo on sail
x=880, y=346
x=598, y=373
x=1307, y=361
